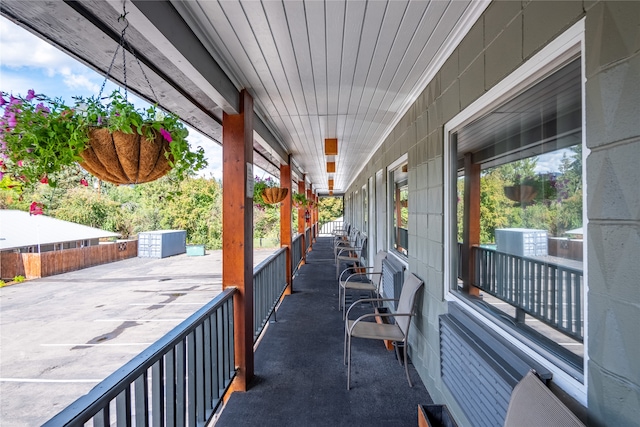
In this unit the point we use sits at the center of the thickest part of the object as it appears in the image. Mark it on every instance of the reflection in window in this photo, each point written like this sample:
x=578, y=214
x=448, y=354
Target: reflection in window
x=520, y=210
x=365, y=209
x=400, y=191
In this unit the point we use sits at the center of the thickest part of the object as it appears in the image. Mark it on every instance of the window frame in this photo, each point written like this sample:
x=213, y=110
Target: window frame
x=549, y=59
x=404, y=159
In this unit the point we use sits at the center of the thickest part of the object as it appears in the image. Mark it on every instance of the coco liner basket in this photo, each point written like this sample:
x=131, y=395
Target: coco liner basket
x=274, y=195
x=521, y=193
x=125, y=158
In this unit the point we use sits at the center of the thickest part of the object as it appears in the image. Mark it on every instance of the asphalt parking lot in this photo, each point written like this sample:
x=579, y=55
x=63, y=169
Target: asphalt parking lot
x=62, y=335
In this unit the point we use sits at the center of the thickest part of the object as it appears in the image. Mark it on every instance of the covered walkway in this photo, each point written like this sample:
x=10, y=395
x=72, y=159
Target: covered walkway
x=300, y=378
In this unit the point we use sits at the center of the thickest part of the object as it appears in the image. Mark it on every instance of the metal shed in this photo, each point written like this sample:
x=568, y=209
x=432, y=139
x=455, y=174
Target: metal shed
x=161, y=243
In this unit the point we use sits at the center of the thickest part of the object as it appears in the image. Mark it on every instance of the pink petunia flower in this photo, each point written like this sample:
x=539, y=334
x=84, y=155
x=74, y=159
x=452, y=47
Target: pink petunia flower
x=84, y=182
x=44, y=180
x=30, y=95
x=36, y=208
x=3, y=101
x=20, y=163
x=166, y=134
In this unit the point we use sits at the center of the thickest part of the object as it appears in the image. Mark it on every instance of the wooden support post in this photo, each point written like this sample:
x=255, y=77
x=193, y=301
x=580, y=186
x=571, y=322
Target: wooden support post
x=471, y=221
x=285, y=220
x=301, y=220
x=310, y=197
x=237, y=231
x=316, y=212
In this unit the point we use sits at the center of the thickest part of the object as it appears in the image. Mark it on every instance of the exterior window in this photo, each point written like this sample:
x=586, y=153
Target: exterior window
x=399, y=192
x=365, y=209
x=519, y=215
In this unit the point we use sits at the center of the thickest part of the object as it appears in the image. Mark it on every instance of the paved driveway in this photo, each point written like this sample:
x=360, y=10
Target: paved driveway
x=61, y=335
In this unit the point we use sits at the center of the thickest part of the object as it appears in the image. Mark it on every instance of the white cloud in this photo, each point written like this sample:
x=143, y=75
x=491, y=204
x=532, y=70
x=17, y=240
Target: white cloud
x=78, y=81
x=39, y=53
x=550, y=162
x=213, y=153
x=21, y=49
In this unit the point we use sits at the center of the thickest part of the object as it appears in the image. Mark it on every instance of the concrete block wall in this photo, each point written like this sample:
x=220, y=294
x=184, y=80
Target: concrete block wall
x=612, y=68
x=508, y=33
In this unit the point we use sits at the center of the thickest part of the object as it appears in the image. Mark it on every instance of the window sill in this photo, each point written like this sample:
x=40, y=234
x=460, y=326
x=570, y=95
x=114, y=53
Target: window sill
x=567, y=375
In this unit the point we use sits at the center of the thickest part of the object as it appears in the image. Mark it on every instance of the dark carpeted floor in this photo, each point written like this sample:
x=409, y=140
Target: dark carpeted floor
x=300, y=377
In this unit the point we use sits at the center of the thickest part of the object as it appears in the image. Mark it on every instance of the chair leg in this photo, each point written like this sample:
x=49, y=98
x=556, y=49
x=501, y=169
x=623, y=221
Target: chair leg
x=344, y=303
x=395, y=347
x=406, y=368
x=344, y=359
x=349, y=364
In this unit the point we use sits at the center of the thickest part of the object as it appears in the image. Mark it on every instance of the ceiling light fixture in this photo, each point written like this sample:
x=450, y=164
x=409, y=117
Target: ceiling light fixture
x=331, y=167
x=331, y=146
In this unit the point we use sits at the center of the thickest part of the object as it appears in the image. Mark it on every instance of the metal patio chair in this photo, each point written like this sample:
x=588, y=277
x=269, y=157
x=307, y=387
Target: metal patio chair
x=352, y=255
x=398, y=331
x=361, y=279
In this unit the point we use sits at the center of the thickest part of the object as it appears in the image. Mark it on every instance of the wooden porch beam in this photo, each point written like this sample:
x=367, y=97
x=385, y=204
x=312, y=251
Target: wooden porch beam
x=285, y=219
x=237, y=231
x=301, y=221
x=310, y=197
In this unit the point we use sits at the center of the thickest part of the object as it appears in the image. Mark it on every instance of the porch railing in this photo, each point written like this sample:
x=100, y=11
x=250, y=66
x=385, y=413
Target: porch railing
x=296, y=253
x=179, y=380
x=269, y=283
x=550, y=292
x=328, y=228
x=307, y=239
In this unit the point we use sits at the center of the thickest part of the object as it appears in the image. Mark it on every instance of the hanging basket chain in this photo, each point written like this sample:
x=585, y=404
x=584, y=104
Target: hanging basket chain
x=124, y=51
x=121, y=44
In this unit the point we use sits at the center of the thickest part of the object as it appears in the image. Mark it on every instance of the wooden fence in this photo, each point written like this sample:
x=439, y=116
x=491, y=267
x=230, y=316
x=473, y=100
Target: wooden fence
x=565, y=248
x=46, y=264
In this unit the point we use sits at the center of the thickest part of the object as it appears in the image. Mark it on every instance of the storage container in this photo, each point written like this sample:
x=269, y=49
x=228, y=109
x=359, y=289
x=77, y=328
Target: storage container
x=161, y=243
x=522, y=241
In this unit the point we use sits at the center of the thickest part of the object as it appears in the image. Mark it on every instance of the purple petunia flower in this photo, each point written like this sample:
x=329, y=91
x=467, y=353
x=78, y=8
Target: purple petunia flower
x=30, y=95
x=2, y=101
x=42, y=108
x=166, y=134
x=11, y=120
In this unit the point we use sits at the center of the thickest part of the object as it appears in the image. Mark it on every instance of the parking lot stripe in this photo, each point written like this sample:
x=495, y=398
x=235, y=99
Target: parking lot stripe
x=138, y=320
x=169, y=303
x=99, y=344
x=40, y=380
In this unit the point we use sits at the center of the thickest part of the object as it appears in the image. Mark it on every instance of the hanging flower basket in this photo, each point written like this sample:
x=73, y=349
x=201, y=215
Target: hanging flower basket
x=273, y=195
x=126, y=158
x=112, y=139
x=299, y=200
x=521, y=193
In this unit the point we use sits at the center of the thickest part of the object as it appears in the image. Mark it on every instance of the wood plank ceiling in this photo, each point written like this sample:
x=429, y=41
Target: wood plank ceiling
x=317, y=69
x=330, y=69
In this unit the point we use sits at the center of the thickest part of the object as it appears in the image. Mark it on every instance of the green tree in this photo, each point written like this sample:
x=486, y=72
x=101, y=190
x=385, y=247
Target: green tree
x=496, y=211
x=85, y=206
x=330, y=209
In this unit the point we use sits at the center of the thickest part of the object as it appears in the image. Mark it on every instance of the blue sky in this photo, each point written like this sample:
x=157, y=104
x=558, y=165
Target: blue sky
x=27, y=62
